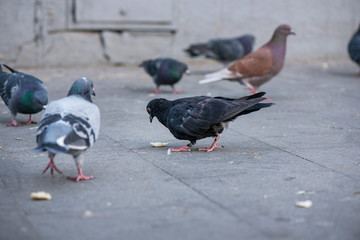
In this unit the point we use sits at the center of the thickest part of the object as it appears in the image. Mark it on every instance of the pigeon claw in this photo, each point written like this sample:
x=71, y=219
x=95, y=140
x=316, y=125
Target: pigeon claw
x=175, y=91
x=157, y=90
x=213, y=145
x=81, y=177
x=14, y=123
x=185, y=148
x=52, y=166
x=209, y=149
x=30, y=121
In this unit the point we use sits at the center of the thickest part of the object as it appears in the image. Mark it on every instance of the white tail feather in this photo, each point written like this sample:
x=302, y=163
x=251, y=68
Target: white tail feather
x=209, y=80
x=219, y=75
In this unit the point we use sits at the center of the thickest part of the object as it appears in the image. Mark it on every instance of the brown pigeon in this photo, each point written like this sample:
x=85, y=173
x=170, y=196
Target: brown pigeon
x=257, y=67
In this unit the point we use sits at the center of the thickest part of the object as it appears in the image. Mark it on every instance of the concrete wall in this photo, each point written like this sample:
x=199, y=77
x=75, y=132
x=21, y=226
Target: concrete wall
x=44, y=33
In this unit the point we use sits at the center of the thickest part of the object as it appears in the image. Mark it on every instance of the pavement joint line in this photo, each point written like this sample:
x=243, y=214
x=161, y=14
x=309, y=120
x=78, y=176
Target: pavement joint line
x=298, y=156
x=216, y=203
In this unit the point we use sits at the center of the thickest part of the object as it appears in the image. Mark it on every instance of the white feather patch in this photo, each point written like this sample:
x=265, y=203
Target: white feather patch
x=219, y=75
x=60, y=141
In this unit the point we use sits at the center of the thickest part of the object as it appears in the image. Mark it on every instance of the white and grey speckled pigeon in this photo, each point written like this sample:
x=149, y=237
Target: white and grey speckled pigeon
x=70, y=125
x=22, y=93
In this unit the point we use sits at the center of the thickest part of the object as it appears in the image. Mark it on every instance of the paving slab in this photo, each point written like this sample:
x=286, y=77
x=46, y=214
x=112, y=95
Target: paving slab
x=305, y=147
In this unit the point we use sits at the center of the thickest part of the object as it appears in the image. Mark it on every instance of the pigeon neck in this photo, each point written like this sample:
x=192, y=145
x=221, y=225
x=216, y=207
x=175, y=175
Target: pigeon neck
x=162, y=112
x=80, y=93
x=278, y=44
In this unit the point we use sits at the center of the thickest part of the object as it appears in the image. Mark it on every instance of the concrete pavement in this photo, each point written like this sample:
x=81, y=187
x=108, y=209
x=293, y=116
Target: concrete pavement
x=306, y=147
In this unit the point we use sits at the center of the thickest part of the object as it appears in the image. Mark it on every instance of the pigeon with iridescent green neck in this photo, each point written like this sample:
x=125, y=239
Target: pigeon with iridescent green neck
x=258, y=67
x=165, y=71
x=22, y=93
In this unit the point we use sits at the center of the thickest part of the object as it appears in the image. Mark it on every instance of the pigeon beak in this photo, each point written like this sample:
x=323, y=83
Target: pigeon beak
x=292, y=32
x=187, y=71
x=45, y=106
x=93, y=93
x=151, y=118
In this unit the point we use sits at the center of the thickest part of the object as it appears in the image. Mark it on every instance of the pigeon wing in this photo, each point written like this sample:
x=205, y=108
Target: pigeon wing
x=254, y=64
x=195, y=119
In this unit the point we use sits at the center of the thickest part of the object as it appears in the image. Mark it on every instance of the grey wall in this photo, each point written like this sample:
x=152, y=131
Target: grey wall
x=87, y=32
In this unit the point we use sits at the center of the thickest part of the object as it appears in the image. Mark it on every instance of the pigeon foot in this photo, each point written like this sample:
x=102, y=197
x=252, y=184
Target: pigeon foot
x=52, y=166
x=30, y=121
x=157, y=90
x=175, y=91
x=209, y=149
x=80, y=175
x=185, y=148
x=213, y=145
x=14, y=123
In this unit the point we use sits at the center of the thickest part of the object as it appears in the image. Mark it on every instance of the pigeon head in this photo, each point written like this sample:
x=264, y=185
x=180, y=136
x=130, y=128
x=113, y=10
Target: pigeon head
x=157, y=108
x=184, y=68
x=83, y=87
x=284, y=30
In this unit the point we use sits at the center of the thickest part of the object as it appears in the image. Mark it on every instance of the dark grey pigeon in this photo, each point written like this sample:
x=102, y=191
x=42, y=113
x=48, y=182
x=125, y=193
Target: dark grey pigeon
x=224, y=50
x=195, y=118
x=354, y=47
x=165, y=71
x=22, y=93
x=70, y=125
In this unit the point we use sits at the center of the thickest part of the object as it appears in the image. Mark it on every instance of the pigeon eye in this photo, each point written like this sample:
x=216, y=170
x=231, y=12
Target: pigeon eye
x=92, y=85
x=148, y=110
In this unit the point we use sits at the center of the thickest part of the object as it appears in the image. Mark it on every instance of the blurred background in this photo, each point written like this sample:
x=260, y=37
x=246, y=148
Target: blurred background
x=49, y=33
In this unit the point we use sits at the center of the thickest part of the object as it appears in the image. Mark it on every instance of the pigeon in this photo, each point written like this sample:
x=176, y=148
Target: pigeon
x=70, y=125
x=354, y=47
x=223, y=50
x=22, y=93
x=257, y=67
x=199, y=117
x=165, y=71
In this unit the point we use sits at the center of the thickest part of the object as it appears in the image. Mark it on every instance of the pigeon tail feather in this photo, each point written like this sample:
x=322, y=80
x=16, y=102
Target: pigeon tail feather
x=220, y=75
x=210, y=80
x=11, y=69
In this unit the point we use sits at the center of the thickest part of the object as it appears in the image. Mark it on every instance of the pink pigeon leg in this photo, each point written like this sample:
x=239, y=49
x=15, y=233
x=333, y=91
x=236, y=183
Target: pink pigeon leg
x=250, y=87
x=51, y=165
x=157, y=90
x=213, y=145
x=30, y=121
x=185, y=148
x=80, y=175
